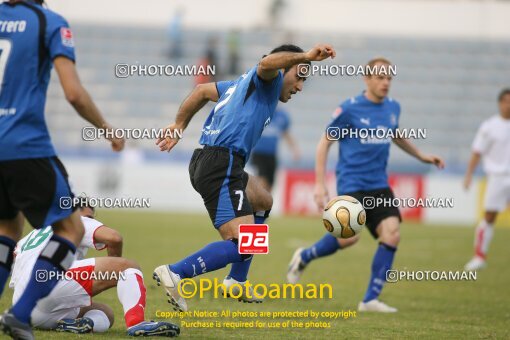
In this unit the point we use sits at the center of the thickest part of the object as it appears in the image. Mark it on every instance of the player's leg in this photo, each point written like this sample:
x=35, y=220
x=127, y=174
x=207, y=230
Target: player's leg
x=388, y=231
x=126, y=275
x=56, y=257
x=97, y=318
x=496, y=199
x=261, y=201
x=35, y=188
x=483, y=237
x=383, y=222
x=326, y=246
x=10, y=233
x=218, y=175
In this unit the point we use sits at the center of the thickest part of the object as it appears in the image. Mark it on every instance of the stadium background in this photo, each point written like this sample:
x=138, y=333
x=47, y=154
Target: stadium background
x=452, y=60
x=451, y=57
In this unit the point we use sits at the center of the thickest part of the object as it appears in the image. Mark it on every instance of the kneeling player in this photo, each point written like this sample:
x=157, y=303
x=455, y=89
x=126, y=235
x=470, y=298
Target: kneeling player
x=69, y=307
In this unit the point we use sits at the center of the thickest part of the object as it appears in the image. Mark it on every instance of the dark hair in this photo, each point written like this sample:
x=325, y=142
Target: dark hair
x=288, y=48
x=84, y=203
x=39, y=2
x=503, y=93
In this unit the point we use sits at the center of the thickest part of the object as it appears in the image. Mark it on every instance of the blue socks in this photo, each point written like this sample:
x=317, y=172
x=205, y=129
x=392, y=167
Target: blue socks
x=7, y=246
x=325, y=246
x=212, y=257
x=239, y=270
x=55, y=258
x=382, y=262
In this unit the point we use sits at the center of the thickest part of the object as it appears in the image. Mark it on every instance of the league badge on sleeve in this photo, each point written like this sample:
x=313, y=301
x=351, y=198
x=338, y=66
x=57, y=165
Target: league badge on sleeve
x=67, y=37
x=337, y=112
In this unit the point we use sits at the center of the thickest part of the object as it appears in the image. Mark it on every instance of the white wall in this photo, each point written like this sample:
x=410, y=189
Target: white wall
x=416, y=18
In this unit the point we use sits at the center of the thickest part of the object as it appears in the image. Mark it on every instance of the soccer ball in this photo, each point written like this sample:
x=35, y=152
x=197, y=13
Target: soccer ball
x=344, y=216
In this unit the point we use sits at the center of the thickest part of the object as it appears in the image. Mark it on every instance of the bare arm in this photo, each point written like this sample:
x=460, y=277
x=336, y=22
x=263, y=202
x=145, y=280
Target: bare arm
x=321, y=157
x=291, y=142
x=473, y=163
x=412, y=150
x=200, y=96
x=111, y=238
x=270, y=64
x=80, y=99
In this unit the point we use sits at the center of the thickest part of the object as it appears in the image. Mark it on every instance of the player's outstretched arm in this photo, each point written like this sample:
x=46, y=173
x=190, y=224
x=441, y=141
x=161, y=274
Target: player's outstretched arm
x=473, y=163
x=111, y=238
x=408, y=147
x=79, y=98
x=270, y=64
x=321, y=156
x=200, y=96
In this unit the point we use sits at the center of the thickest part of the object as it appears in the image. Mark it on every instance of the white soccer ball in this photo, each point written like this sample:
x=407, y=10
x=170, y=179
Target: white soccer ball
x=344, y=216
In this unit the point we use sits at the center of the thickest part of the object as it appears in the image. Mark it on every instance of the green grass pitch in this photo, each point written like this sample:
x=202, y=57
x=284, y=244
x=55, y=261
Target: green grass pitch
x=427, y=309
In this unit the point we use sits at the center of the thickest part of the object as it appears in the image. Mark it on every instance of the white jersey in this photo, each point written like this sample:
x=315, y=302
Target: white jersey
x=30, y=247
x=492, y=141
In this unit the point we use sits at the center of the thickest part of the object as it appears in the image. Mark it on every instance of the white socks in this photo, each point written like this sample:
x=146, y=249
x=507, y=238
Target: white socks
x=483, y=238
x=101, y=321
x=131, y=292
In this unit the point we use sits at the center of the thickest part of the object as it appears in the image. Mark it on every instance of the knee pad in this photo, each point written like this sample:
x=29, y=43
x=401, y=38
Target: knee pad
x=7, y=246
x=59, y=252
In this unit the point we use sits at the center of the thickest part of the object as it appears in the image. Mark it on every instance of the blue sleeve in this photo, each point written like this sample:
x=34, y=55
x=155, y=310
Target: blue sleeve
x=59, y=38
x=285, y=121
x=222, y=86
x=340, y=117
x=268, y=89
x=397, y=104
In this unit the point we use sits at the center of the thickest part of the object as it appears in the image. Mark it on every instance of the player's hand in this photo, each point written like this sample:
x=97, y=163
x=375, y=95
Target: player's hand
x=431, y=159
x=167, y=143
x=321, y=52
x=320, y=196
x=467, y=182
x=117, y=143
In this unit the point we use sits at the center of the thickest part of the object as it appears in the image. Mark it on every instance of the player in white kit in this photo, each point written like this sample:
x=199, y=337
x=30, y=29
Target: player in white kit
x=492, y=145
x=69, y=307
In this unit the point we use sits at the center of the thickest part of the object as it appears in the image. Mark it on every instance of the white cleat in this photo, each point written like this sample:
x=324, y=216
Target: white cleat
x=248, y=297
x=476, y=263
x=296, y=267
x=170, y=282
x=375, y=306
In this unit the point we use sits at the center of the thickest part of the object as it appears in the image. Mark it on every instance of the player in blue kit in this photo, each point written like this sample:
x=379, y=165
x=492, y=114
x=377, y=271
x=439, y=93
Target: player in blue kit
x=32, y=179
x=245, y=106
x=264, y=154
x=361, y=173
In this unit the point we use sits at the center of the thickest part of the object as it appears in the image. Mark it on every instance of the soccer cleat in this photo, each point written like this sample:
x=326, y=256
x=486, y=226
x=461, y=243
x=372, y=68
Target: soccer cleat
x=15, y=328
x=170, y=281
x=151, y=328
x=476, y=263
x=296, y=267
x=375, y=306
x=76, y=326
x=235, y=290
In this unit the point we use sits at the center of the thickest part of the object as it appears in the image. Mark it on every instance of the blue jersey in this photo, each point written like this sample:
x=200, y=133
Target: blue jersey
x=362, y=161
x=268, y=142
x=244, y=108
x=30, y=38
